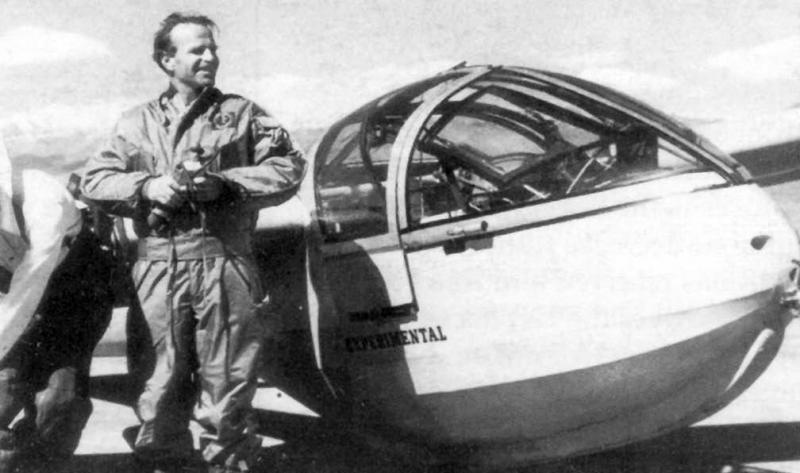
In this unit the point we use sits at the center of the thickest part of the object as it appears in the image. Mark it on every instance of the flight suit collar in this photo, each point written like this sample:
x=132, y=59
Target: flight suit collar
x=208, y=100
x=207, y=97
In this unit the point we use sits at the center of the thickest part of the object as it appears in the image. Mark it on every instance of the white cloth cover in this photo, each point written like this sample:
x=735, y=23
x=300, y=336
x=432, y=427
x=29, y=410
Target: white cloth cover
x=51, y=217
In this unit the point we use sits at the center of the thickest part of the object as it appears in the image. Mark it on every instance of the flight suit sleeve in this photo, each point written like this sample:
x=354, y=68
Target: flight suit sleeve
x=277, y=166
x=110, y=180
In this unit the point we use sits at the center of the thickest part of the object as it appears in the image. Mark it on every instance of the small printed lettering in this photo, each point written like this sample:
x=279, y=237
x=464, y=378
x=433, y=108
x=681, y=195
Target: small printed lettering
x=384, y=313
x=432, y=335
x=381, y=341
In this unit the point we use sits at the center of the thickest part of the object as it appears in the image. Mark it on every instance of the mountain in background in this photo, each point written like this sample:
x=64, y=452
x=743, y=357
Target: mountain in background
x=306, y=137
x=65, y=154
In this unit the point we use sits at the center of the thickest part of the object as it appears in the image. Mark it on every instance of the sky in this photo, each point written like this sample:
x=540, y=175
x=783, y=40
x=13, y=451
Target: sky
x=69, y=68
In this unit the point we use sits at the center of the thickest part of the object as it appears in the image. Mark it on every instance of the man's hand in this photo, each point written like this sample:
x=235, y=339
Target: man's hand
x=206, y=188
x=163, y=190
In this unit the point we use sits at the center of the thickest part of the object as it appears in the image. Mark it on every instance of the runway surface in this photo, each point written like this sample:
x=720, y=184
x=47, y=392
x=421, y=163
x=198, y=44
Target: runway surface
x=759, y=431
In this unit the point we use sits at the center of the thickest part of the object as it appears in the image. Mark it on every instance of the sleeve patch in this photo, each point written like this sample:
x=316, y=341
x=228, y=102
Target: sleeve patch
x=267, y=122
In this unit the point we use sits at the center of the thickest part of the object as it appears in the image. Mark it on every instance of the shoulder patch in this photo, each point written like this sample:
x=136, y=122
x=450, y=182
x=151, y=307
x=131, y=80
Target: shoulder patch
x=228, y=96
x=266, y=121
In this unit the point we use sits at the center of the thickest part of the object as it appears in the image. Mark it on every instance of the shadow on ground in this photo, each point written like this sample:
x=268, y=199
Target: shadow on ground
x=704, y=449
x=312, y=446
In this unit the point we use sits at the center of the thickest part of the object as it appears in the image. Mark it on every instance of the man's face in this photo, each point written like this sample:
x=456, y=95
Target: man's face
x=195, y=60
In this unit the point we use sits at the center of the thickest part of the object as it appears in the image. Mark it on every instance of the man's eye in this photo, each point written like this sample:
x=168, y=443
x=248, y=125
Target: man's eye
x=201, y=51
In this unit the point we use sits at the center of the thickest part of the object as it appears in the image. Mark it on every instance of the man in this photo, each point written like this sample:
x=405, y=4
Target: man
x=191, y=169
x=55, y=305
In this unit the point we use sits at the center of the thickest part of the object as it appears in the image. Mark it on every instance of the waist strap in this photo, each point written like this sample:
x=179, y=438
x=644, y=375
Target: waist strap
x=159, y=249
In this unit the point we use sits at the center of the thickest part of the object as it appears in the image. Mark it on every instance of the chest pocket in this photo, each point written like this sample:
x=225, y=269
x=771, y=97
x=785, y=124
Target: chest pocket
x=227, y=142
x=234, y=153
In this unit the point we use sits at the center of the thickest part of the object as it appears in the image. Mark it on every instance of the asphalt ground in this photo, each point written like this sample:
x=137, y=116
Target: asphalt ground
x=759, y=431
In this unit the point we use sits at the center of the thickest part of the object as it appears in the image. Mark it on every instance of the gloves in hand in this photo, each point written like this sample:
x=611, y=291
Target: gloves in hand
x=163, y=190
x=206, y=188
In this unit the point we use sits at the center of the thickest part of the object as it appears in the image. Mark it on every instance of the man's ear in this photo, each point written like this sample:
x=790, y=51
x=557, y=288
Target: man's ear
x=167, y=61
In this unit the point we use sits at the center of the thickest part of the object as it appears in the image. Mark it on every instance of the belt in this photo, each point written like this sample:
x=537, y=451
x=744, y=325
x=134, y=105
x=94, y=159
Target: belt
x=194, y=247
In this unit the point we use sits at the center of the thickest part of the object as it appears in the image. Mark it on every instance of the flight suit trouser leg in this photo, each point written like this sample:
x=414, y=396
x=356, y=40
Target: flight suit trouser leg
x=207, y=344
x=229, y=338
x=165, y=405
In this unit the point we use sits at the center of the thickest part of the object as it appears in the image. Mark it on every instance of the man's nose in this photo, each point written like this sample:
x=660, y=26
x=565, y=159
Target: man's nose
x=209, y=56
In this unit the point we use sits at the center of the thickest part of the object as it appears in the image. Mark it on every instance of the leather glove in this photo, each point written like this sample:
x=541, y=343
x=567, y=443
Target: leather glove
x=206, y=188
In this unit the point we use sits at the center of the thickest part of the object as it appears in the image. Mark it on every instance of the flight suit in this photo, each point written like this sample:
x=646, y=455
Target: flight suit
x=195, y=278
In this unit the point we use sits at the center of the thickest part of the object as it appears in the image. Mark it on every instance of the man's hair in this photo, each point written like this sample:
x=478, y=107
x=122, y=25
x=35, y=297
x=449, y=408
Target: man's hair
x=162, y=44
